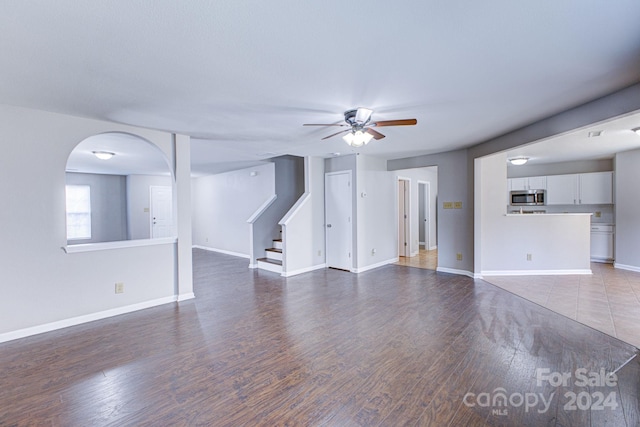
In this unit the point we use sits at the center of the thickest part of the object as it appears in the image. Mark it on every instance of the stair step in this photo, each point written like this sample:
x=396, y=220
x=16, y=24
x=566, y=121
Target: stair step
x=268, y=264
x=277, y=243
x=270, y=261
x=273, y=253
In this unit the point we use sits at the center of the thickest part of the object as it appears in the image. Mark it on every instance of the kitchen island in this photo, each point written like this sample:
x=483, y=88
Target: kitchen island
x=536, y=244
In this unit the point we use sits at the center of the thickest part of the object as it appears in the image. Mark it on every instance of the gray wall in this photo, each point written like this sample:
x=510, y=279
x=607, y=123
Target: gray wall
x=108, y=206
x=455, y=226
x=627, y=212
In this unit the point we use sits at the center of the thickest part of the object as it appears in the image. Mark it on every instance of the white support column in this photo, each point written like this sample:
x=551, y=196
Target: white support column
x=182, y=153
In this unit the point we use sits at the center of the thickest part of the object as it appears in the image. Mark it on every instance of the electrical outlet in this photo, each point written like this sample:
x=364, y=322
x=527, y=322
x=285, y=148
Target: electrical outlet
x=206, y=239
x=447, y=205
x=319, y=253
x=373, y=251
x=457, y=205
x=458, y=256
x=119, y=288
x=529, y=257
x=598, y=214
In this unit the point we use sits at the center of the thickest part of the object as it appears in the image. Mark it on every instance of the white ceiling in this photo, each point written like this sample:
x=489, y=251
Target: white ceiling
x=242, y=77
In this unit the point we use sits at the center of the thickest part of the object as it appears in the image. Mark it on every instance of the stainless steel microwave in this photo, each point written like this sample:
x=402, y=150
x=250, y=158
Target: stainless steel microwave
x=527, y=198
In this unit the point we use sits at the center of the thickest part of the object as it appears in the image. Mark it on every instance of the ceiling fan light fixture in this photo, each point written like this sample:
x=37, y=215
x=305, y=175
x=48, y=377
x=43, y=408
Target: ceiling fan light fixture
x=357, y=138
x=518, y=161
x=103, y=155
x=363, y=115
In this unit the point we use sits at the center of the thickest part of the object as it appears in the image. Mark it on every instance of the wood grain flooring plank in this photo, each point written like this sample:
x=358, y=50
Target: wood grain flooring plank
x=392, y=346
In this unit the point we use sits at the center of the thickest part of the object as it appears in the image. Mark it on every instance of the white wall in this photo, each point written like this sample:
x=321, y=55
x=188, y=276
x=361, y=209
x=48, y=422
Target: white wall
x=41, y=283
x=627, y=212
x=139, y=203
x=376, y=213
x=303, y=231
x=558, y=243
x=429, y=175
x=222, y=204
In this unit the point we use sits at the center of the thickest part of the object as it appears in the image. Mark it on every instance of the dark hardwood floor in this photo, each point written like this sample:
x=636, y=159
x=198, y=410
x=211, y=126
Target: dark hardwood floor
x=392, y=346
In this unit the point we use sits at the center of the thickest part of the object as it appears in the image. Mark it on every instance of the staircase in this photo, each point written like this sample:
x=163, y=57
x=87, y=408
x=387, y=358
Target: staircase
x=273, y=259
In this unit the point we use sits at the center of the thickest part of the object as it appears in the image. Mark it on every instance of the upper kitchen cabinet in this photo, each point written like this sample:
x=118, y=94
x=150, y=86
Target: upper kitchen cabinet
x=529, y=183
x=580, y=189
x=562, y=189
x=596, y=188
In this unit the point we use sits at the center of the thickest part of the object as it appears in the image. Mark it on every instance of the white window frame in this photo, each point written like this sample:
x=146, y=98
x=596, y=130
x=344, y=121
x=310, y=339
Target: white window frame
x=80, y=207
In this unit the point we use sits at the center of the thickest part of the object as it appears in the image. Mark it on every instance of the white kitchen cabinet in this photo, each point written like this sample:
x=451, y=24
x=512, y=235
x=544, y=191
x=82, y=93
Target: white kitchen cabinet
x=596, y=188
x=528, y=183
x=562, y=189
x=580, y=189
x=602, y=243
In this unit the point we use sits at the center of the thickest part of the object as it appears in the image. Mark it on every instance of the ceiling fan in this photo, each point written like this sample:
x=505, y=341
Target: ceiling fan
x=360, y=126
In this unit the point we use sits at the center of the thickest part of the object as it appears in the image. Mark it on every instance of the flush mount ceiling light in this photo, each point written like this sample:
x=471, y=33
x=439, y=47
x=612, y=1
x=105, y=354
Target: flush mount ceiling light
x=636, y=130
x=519, y=161
x=103, y=155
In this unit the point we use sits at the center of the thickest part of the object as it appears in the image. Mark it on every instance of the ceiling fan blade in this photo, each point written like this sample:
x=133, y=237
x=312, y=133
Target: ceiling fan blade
x=317, y=124
x=334, y=134
x=405, y=122
x=375, y=133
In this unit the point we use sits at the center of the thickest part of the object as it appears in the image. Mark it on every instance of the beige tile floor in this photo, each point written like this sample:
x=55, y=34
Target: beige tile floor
x=608, y=300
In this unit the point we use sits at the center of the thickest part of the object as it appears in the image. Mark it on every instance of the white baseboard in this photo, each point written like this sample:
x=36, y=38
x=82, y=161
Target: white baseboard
x=303, y=270
x=458, y=272
x=73, y=321
x=221, y=251
x=376, y=265
x=415, y=253
x=626, y=267
x=535, y=272
x=185, y=297
x=253, y=265
x=432, y=248
x=422, y=244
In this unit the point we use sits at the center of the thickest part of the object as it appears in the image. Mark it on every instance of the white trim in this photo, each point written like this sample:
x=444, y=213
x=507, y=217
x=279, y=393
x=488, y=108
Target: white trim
x=185, y=297
x=294, y=209
x=267, y=266
x=626, y=267
x=458, y=272
x=415, y=253
x=433, y=248
x=253, y=265
x=422, y=244
x=221, y=251
x=261, y=209
x=303, y=270
x=535, y=272
x=90, y=247
x=73, y=321
x=376, y=265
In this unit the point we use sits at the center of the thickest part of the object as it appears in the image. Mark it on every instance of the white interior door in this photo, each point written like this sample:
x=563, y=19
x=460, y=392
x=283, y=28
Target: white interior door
x=403, y=218
x=338, y=218
x=161, y=212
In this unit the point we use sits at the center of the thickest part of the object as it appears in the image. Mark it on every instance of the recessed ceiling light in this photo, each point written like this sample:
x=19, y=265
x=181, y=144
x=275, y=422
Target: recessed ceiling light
x=594, y=133
x=103, y=155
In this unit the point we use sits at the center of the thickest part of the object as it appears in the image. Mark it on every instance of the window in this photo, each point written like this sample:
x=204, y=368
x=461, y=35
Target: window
x=78, y=212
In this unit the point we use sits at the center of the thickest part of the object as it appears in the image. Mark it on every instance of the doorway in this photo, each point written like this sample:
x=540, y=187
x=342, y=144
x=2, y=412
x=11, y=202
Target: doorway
x=338, y=215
